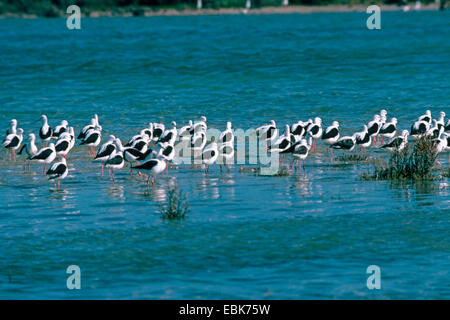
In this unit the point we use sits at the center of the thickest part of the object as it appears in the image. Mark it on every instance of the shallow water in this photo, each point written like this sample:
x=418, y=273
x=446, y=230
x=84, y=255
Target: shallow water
x=296, y=237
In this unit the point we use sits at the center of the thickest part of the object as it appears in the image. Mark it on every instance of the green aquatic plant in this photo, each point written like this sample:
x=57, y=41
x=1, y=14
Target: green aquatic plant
x=414, y=163
x=176, y=206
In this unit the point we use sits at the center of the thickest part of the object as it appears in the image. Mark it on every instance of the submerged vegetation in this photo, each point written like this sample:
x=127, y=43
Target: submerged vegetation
x=55, y=8
x=412, y=163
x=176, y=206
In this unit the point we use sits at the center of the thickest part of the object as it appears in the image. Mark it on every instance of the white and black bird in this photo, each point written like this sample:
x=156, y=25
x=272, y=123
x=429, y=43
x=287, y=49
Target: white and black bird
x=226, y=155
x=12, y=142
x=158, y=130
x=92, y=139
x=13, y=127
x=426, y=117
x=63, y=127
x=283, y=142
x=268, y=132
x=347, y=143
x=209, y=155
x=167, y=152
x=419, y=128
x=184, y=133
x=152, y=168
x=115, y=162
x=105, y=151
x=397, y=143
x=30, y=149
x=198, y=141
x=441, y=120
x=58, y=171
x=388, y=129
x=374, y=126
x=227, y=136
x=85, y=129
x=170, y=135
x=64, y=144
x=45, y=155
x=300, y=152
x=363, y=139
x=130, y=154
x=331, y=133
x=45, y=132
x=315, y=130
x=298, y=129
x=200, y=125
x=447, y=126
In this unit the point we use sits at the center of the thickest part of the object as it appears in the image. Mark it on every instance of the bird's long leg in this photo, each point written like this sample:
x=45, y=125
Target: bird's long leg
x=113, y=177
x=102, y=168
x=44, y=168
x=9, y=152
x=24, y=166
x=148, y=180
x=59, y=184
x=29, y=166
x=299, y=166
x=14, y=153
x=167, y=168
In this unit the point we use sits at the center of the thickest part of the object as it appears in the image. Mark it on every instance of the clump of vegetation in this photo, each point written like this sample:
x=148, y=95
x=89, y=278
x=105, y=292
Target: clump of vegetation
x=414, y=163
x=176, y=206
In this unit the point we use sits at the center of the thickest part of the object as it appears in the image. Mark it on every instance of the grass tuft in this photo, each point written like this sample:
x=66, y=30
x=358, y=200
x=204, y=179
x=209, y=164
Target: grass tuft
x=176, y=206
x=414, y=163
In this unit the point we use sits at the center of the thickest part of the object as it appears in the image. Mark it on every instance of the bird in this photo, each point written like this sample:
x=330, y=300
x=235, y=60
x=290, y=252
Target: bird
x=85, y=129
x=12, y=142
x=301, y=150
x=373, y=127
x=184, y=133
x=315, y=129
x=170, y=135
x=30, y=148
x=388, y=129
x=115, y=162
x=345, y=143
x=45, y=155
x=397, y=143
x=167, y=152
x=435, y=131
x=426, y=117
x=298, y=129
x=130, y=154
x=268, y=132
x=209, y=155
x=105, y=151
x=440, y=144
x=363, y=139
x=198, y=141
x=447, y=126
x=92, y=139
x=57, y=172
x=331, y=135
x=283, y=142
x=60, y=129
x=200, y=125
x=227, y=136
x=63, y=145
x=45, y=132
x=158, y=130
x=419, y=128
x=440, y=122
x=226, y=155
x=13, y=127
x=152, y=168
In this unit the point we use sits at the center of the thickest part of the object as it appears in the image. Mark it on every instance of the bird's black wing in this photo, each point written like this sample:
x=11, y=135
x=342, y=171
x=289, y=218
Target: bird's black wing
x=59, y=170
x=389, y=129
x=147, y=165
x=115, y=160
x=63, y=145
x=343, y=144
x=14, y=142
x=44, y=154
x=91, y=138
x=330, y=134
x=21, y=149
x=208, y=154
x=108, y=150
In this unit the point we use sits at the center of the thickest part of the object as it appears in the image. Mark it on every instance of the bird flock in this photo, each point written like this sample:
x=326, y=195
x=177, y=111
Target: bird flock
x=153, y=148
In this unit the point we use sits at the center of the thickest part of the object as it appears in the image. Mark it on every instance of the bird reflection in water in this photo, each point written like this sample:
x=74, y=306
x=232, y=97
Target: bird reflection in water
x=116, y=191
x=209, y=188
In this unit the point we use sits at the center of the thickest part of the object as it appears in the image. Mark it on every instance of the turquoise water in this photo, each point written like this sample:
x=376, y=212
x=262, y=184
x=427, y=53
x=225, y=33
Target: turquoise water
x=295, y=237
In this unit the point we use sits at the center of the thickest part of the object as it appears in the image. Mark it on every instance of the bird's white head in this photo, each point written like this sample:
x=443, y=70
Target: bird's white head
x=335, y=124
x=272, y=122
x=20, y=131
x=64, y=123
x=383, y=112
x=394, y=120
x=317, y=121
x=405, y=133
x=174, y=124
x=229, y=125
x=428, y=113
x=203, y=118
x=32, y=137
x=442, y=114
